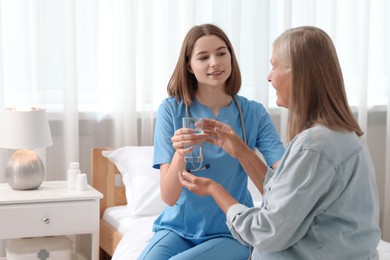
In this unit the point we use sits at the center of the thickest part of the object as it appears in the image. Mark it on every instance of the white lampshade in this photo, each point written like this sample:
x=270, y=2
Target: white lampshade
x=24, y=129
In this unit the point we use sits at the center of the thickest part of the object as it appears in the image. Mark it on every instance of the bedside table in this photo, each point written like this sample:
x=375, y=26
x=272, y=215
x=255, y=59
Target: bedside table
x=50, y=210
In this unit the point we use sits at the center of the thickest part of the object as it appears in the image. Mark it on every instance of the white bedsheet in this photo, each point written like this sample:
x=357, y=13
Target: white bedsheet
x=137, y=231
x=384, y=250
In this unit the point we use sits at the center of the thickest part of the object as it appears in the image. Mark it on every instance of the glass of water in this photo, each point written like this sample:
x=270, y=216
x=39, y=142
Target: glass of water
x=196, y=155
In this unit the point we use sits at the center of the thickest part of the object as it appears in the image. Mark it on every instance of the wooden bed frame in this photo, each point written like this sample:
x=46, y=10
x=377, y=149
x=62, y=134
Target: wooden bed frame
x=103, y=179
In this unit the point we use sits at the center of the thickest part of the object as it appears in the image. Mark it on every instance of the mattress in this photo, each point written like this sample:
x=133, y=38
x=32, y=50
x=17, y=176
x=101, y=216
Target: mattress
x=384, y=250
x=136, y=231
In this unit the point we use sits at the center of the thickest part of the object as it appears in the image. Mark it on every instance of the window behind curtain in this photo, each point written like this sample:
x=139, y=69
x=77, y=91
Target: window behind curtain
x=32, y=48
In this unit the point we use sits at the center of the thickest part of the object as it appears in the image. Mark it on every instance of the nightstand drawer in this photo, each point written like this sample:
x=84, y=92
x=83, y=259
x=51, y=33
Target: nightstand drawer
x=46, y=219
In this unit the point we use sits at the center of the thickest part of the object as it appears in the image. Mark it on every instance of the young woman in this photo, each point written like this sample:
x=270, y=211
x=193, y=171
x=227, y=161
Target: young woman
x=322, y=201
x=205, y=84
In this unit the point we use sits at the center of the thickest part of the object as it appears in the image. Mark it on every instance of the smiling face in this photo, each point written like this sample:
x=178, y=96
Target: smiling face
x=281, y=79
x=210, y=61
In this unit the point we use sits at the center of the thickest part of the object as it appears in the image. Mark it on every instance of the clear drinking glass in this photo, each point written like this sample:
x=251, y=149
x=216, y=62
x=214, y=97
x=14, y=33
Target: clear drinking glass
x=197, y=153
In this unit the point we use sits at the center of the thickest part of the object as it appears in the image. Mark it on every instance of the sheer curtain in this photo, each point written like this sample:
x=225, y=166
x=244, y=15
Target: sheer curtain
x=100, y=67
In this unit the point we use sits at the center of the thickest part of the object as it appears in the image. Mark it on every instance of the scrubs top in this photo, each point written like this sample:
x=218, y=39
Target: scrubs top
x=199, y=218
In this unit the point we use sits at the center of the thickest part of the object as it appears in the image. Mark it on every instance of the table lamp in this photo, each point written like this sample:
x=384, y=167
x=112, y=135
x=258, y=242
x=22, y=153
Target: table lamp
x=24, y=130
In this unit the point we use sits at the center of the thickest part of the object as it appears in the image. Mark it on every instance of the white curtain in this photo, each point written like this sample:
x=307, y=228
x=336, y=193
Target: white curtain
x=100, y=67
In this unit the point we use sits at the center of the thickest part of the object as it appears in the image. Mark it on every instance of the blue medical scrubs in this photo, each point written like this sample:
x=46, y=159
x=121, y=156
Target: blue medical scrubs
x=198, y=218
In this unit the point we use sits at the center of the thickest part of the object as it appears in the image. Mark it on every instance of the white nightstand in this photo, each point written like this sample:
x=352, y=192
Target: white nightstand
x=49, y=211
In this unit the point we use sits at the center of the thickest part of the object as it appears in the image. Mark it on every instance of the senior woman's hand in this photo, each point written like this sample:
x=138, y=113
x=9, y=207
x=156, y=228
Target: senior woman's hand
x=198, y=185
x=204, y=186
x=223, y=135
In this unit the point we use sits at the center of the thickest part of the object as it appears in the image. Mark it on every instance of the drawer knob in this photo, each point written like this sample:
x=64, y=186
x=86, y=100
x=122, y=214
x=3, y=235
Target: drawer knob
x=46, y=220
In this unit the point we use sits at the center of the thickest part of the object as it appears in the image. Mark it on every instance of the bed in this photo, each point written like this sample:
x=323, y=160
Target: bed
x=103, y=179
x=132, y=201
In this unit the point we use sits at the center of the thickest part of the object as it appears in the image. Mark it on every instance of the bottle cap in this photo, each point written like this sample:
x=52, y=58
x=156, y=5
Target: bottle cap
x=74, y=165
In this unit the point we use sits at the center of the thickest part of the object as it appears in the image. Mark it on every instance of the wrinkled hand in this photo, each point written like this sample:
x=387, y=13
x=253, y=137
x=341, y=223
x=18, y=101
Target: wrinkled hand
x=198, y=185
x=184, y=140
x=223, y=135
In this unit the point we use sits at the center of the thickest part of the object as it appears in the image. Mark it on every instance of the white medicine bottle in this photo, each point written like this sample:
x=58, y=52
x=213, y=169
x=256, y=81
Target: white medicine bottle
x=73, y=172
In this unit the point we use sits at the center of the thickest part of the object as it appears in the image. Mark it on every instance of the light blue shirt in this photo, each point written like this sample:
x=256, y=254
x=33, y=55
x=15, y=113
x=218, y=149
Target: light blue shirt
x=320, y=203
x=199, y=218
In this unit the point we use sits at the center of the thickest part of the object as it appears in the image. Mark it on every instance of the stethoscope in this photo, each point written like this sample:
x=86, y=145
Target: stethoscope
x=242, y=129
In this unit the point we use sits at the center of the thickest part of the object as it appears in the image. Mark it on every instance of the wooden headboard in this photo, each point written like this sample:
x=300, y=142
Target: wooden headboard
x=104, y=173
x=103, y=179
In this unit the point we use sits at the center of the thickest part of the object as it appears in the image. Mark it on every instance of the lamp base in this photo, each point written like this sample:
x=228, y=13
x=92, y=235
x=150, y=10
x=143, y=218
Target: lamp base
x=25, y=170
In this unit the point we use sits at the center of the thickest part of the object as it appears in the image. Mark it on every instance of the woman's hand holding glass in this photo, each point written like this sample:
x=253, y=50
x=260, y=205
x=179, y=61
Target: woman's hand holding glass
x=184, y=140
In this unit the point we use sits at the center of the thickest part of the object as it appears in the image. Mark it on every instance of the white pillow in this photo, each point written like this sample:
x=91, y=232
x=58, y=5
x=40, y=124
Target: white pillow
x=142, y=181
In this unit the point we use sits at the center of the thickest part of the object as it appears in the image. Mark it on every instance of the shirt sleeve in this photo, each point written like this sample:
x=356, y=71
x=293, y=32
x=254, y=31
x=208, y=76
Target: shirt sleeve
x=164, y=130
x=293, y=197
x=268, y=175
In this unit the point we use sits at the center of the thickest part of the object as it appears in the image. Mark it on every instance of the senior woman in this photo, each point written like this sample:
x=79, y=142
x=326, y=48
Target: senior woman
x=321, y=202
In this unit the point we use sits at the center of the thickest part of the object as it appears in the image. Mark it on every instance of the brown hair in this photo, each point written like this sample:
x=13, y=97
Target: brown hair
x=183, y=84
x=317, y=92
